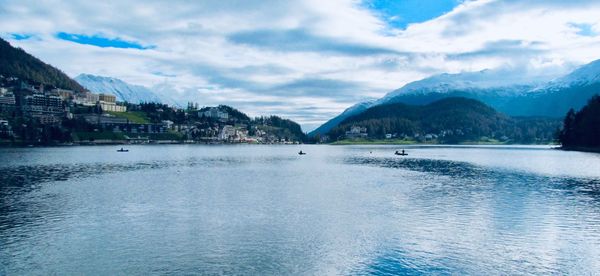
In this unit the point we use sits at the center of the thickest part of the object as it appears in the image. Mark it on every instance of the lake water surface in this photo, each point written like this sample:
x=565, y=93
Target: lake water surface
x=264, y=210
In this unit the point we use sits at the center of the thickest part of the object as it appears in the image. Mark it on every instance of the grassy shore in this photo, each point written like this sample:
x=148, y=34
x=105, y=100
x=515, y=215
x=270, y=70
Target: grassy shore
x=363, y=141
x=375, y=142
x=136, y=117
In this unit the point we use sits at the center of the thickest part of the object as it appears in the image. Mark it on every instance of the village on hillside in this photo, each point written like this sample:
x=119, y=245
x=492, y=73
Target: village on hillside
x=32, y=113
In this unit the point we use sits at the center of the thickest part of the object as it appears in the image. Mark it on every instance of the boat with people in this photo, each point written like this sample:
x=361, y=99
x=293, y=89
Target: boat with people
x=122, y=150
x=301, y=153
x=403, y=153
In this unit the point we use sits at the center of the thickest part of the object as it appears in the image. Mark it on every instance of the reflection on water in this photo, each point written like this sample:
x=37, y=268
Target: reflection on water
x=266, y=210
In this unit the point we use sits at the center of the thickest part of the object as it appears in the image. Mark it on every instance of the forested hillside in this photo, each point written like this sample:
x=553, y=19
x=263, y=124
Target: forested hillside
x=14, y=62
x=450, y=120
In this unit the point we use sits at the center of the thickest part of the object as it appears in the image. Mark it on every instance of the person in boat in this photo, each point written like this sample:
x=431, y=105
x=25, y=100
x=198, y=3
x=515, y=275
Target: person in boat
x=301, y=153
x=401, y=153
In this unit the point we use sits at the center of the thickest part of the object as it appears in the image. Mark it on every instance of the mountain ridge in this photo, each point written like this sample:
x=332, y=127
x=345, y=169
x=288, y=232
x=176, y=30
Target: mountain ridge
x=449, y=120
x=15, y=62
x=514, y=95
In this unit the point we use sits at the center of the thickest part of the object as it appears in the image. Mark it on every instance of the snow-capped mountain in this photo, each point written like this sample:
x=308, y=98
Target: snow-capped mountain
x=124, y=92
x=583, y=76
x=486, y=80
x=513, y=93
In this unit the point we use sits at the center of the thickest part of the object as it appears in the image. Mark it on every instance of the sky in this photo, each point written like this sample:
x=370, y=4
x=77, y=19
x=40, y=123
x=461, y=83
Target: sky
x=306, y=60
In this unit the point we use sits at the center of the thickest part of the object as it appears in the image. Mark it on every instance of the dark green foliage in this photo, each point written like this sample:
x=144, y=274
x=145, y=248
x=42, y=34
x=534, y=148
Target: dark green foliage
x=158, y=112
x=582, y=129
x=234, y=114
x=455, y=120
x=280, y=127
x=14, y=62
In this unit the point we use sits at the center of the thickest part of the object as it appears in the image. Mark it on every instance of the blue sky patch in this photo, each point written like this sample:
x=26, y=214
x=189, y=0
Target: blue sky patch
x=401, y=13
x=20, y=36
x=584, y=29
x=100, y=41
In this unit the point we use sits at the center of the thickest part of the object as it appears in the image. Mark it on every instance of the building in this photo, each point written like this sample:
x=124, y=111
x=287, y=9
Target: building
x=112, y=107
x=227, y=133
x=104, y=119
x=168, y=124
x=107, y=98
x=64, y=94
x=7, y=98
x=118, y=124
x=48, y=108
x=357, y=132
x=45, y=100
x=5, y=129
x=109, y=103
x=215, y=113
x=86, y=99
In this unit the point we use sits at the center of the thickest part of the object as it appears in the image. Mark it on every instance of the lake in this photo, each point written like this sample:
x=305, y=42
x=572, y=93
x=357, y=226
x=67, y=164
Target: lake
x=265, y=210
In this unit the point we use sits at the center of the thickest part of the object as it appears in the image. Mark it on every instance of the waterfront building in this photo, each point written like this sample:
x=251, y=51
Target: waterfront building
x=227, y=132
x=356, y=132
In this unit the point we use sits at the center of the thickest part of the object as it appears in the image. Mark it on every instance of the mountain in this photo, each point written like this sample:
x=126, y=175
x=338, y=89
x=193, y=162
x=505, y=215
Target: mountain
x=512, y=93
x=124, y=92
x=451, y=120
x=353, y=110
x=585, y=75
x=15, y=62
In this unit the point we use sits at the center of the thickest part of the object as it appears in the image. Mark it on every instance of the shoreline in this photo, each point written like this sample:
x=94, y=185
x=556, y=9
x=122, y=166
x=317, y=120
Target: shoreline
x=580, y=149
x=413, y=142
x=124, y=143
x=159, y=143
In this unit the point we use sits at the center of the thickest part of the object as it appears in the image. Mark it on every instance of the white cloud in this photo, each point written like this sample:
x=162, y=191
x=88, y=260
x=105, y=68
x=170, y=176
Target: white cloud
x=333, y=53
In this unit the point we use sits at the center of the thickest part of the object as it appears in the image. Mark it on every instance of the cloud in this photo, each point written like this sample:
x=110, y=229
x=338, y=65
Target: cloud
x=502, y=48
x=305, y=59
x=301, y=40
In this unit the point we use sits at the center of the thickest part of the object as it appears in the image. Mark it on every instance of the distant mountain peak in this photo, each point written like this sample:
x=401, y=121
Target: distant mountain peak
x=584, y=75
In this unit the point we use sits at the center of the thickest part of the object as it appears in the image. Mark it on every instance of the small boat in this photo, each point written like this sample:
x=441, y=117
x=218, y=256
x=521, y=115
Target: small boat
x=403, y=153
x=122, y=150
x=301, y=153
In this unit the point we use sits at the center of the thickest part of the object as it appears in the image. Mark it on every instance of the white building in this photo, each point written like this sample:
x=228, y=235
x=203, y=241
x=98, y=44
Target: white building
x=86, y=99
x=227, y=133
x=357, y=132
x=109, y=103
x=216, y=113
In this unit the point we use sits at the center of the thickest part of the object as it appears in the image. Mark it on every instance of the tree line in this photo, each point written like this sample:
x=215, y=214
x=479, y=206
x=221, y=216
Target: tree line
x=582, y=128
